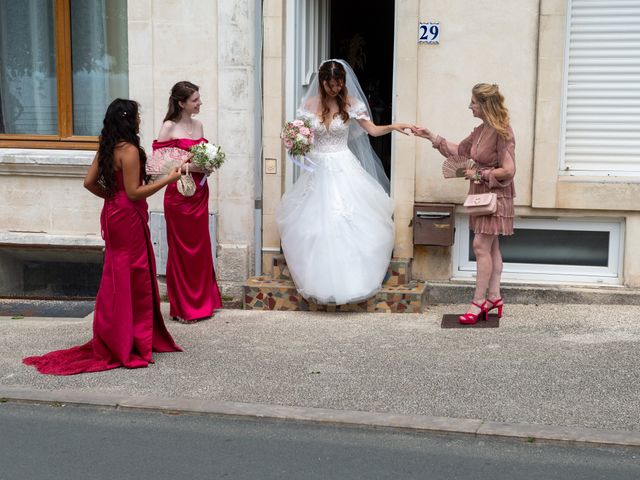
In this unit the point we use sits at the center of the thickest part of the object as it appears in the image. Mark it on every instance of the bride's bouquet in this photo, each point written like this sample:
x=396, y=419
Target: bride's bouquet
x=207, y=156
x=297, y=137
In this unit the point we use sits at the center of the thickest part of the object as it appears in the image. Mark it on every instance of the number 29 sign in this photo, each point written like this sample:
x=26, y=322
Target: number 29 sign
x=429, y=33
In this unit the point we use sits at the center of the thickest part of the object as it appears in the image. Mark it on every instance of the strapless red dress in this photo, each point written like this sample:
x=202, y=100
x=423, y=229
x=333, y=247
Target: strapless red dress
x=127, y=322
x=191, y=280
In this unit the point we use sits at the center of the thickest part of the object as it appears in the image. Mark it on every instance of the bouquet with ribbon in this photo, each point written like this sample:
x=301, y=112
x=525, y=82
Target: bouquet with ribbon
x=297, y=138
x=207, y=157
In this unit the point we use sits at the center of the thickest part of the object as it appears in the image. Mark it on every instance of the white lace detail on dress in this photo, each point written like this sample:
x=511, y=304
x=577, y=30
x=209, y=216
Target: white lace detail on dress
x=335, y=137
x=340, y=207
x=359, y=111
x=328, y=140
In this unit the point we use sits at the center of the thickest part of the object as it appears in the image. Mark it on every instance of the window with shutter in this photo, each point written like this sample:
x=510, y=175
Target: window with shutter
x=602, y=89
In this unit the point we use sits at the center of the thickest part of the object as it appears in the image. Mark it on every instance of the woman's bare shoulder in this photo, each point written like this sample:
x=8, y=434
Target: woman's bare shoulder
x=311, y=104
x=165, y=130
x=126, y=149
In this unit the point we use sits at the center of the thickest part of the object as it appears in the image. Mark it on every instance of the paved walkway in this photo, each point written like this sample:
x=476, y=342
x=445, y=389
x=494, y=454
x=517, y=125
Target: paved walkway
x=568, y=367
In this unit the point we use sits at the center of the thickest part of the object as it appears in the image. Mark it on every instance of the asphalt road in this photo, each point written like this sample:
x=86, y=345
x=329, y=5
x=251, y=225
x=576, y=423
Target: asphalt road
x=71, y=442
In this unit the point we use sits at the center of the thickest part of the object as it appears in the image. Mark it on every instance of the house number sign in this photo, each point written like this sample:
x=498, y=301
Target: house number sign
x=429, y=33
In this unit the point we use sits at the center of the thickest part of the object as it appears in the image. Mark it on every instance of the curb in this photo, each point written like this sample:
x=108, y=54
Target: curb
x=450, y=293
x=414, y=423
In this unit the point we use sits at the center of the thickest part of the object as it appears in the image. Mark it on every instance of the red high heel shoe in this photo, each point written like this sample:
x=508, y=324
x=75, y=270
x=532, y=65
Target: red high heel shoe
x=495, y=304
x=472, y=318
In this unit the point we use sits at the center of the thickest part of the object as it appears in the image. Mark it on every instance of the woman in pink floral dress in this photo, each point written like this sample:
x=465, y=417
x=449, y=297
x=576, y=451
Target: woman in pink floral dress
x=492, y=146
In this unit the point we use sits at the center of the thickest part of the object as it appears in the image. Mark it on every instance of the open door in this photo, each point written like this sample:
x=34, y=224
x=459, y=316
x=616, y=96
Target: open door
x=368, y=46
x=308, y=27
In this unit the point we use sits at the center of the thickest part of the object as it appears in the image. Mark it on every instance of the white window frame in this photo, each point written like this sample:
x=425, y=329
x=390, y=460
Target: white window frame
x=463, y=269
x=308, y=31
x=604, y=171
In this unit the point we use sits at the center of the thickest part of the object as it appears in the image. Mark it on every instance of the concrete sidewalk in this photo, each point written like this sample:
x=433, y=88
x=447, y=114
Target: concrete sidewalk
x=569, y=367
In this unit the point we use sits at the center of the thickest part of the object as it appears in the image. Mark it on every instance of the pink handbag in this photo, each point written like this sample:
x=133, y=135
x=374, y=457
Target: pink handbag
x=480, y=204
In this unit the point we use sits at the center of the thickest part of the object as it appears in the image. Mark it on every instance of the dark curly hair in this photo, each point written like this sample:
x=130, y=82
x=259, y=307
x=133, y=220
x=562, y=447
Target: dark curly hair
x=332, y=70
x=121, y=124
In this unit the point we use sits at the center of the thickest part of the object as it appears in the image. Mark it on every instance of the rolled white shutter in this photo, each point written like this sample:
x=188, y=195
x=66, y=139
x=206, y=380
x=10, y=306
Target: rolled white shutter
x=602, y=104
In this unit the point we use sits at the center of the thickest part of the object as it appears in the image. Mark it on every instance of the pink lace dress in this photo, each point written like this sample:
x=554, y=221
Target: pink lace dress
x=489, y=150
x=191, y=280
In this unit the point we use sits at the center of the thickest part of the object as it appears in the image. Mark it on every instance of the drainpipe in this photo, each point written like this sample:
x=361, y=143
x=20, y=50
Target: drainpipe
x=257, y=148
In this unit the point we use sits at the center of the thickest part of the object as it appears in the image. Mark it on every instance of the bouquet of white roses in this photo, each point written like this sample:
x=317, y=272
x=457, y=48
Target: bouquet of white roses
x=297, y=137
x=207, y=156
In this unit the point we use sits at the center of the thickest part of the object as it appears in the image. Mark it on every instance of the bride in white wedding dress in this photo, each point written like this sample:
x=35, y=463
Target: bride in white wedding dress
x=335, y=223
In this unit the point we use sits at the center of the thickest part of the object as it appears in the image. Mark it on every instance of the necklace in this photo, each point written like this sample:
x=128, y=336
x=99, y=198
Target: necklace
x=184, y=127
x=189, y=132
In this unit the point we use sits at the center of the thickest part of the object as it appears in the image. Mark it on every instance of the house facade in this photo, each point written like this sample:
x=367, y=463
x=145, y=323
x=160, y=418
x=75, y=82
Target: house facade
x=81, y=55
x=569, y=71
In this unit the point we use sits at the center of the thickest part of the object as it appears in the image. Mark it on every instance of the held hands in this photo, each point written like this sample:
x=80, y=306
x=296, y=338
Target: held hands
x=403, y=128
x=407, y=129
x=424, y=133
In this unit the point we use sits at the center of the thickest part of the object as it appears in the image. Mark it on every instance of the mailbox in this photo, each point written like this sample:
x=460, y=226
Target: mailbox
x=433, y=224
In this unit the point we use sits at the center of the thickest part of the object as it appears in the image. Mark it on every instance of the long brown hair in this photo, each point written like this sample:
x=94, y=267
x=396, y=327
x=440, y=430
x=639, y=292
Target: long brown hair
x=180, y=92
x=491, y=103
x=332, y=70
x=120, y=124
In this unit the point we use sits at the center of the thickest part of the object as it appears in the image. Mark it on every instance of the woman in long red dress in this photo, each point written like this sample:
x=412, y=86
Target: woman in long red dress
x=127, y=322
x=191, y=281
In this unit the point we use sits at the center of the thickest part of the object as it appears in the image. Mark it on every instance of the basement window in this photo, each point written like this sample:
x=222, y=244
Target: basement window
x=557, y=250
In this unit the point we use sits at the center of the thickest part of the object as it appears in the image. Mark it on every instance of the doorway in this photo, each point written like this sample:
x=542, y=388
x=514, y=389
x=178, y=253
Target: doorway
x=366, y=41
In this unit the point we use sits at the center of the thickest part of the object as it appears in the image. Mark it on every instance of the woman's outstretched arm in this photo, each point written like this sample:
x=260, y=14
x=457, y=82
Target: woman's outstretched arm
x=379, y=130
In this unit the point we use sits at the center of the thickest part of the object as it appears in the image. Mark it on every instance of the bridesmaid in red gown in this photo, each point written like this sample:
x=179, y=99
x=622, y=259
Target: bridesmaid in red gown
x=191, y=281
x=127, y=322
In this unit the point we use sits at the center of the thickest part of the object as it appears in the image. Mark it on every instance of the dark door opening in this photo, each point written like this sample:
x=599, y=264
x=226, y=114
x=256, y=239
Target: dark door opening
x=365, y=40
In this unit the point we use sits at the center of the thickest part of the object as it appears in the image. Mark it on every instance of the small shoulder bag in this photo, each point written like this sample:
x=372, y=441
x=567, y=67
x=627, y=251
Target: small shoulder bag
x=477, y=204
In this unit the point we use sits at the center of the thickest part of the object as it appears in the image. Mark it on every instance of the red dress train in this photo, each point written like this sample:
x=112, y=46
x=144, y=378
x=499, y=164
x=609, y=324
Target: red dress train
x=191, y=280
x=127, y=322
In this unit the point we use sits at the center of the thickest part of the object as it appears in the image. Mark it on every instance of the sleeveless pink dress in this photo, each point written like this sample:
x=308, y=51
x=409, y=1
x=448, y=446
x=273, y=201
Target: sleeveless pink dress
x=127, y=322
x=191, y=280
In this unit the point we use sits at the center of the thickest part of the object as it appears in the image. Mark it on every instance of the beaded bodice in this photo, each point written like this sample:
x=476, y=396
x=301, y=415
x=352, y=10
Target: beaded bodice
x=333, y=137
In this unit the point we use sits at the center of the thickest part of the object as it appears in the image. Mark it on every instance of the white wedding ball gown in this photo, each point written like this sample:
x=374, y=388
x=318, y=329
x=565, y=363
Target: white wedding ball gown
x=335, y=223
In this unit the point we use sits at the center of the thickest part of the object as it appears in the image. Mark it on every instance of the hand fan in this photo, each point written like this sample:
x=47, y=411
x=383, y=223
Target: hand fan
x=455, y=167
x=163, y=159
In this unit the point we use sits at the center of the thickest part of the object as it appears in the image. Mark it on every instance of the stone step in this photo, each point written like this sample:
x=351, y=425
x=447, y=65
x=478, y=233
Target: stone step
x=398, y=273
x=267, y=293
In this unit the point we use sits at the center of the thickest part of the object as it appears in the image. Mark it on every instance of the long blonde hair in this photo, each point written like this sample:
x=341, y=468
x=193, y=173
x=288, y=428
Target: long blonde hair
x=491, y=103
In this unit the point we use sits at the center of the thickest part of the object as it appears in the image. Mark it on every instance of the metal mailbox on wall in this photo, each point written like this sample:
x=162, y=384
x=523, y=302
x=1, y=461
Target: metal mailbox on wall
x=433, y=224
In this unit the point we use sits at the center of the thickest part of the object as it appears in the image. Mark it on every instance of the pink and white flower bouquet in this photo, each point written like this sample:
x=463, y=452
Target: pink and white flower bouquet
x=297, y=137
